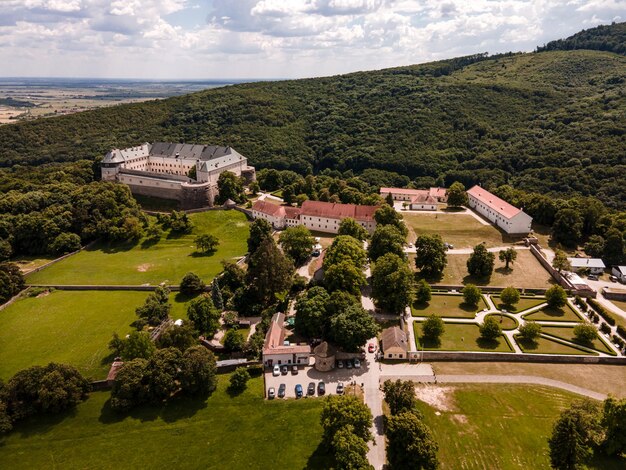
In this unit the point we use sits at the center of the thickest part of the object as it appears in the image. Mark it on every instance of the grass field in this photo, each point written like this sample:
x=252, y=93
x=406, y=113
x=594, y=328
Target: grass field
x=525, y=273
x=502, y=427
x=621, y=304
x=565, y=313
x=461, y=230
x=547, y=346
x=223, y=432
x=524, y=303
x=461, y=337
x=447, y=306
x=69, y=327
x=506, y=322
x=166, y=261
x=568, y=334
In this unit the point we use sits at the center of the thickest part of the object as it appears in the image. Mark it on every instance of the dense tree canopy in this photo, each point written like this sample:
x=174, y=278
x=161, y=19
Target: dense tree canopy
x=298, y=243
x=392, y=282
x=430, y=255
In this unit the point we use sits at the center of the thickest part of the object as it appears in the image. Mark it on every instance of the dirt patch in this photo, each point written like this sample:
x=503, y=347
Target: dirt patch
x=440, y=398
x=142, y=268
x=43, y=294
x=461, y=419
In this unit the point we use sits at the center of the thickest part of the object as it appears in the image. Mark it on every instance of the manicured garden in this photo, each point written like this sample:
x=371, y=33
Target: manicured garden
x=524, y=303
x=565, y=314
x=567, y=333
x=543, y=345
x=243, y=431
x=144, y=263
x=68, y=327
x=460, y=337
x=498, y=426
x=506, y=322
x=447, y=305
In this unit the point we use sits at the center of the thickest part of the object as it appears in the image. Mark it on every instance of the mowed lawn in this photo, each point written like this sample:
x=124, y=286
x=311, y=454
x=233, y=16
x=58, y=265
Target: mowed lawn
x=166, y=261
x=461, y=230
x=460, y=337
x=544, y=345
x=567, y=333
x=240, y=432
x=524, y=303
x=502, y=426
x=68, y=327
x=565, y=313
x=526, y=272
x=447, y=306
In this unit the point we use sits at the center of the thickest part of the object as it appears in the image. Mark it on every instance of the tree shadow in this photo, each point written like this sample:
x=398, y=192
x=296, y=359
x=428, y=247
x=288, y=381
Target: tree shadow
x=527, y=344
x=184, y=298
x=234, y=392
x=149, y=242
x=429, y=343
x=554, y=312
x=118, y=247
x=108, y=359
x=41, y=423
x=469, y=308
x=485, y=343
x=504, y=271
x=477, y=280
x=431, y=279
x=321, y=458
x=202, y=254
x=182, y=408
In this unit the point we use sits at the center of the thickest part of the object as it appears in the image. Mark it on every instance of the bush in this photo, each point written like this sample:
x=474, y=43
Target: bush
x=509, y=296
x=530, y=330
x=471, y=294
x=239, y=380
x=490, y=329
x=556, y=296
x=585, y=333
x=621, y=331
x=604, y=328
x=191, y=284
x=433, y=327
x=601, y=311
x=617, y=340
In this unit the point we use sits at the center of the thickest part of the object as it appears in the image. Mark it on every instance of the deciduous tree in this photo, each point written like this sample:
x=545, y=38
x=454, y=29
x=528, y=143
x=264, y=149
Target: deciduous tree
x=138, y=344
x=410, y=443
x=614, y=423
x=560, y=261
x=180, y=337
x=386, y=239
x=430, y=255
x=457, y=196
x=480, y=262
x=387, y=215
x=352, y=328
x=351, y=227
x=433, y=327
x=556, y=297
x=490, y=329
x=471, y=294
x=207, y=243
x=585, y=333
x=422, y=292
x=350, y=450
x=399, y=395
x=204, y=315
x=260, y=229
x=345, y=248
x=198, y=374
x=509, y=296
x=191, y=284
x=530, y=330
x=239, y=380
x=298, y=243
x=507, y=256
x=234, y=340
x=344, y=276
x=392, y=281
x=339, y=411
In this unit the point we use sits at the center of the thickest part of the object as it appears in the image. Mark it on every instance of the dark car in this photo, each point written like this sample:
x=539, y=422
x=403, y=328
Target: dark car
x=321, y=388
x=294, y=370
x=281, y=390
x=340, y=388
x=284, y=370
x=298, y=391
x=311, y=389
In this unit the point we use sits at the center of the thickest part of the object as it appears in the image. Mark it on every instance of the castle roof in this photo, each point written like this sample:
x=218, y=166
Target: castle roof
x=270, y=209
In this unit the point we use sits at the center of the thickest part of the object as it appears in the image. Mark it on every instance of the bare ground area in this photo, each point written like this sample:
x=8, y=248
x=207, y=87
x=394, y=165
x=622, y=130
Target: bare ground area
x=439, y=397
x=599, y=378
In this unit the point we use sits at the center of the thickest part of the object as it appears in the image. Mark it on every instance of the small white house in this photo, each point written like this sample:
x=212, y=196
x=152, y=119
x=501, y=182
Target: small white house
x=619, y=272
x=394, y=343
x=593, y=265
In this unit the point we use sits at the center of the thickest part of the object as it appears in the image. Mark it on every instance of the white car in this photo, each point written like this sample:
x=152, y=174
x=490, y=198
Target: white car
x=276, y=371
x=357, y=363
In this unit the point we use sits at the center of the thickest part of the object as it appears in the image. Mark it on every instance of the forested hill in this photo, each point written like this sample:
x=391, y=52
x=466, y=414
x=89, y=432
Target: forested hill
x=548, y=122
x=610, y=38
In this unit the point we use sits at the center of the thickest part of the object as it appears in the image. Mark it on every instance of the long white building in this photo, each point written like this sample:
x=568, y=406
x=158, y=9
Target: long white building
x=499, y=212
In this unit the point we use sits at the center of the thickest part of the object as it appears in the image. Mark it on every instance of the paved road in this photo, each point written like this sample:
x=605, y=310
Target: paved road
x=373, y=399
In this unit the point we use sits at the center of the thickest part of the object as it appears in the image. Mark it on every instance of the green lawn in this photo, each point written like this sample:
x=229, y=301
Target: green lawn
x=68, y=327
x=506, y=322
x=567, y=333
x=565, y=313
x=524, y=303
x=223, y=432
x=461, y=337
x=502, y=427
x=545, y=345
x=166, y=261
x=447, y=306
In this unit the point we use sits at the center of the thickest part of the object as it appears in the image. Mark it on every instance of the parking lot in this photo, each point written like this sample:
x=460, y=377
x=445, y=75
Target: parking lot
x=308, y=374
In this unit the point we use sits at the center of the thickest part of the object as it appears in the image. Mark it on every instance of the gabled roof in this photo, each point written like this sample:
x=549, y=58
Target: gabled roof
x=394, y=337
x=333, y=210
x=401, y=191
x=502, y=207
x=268, y=208
x=586, y=263
x=621, y=269
x=438, y=192
x=423, y=197
x=275, y=338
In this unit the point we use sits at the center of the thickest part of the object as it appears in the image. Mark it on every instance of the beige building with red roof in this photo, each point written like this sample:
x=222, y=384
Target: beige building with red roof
x=499, y=212
x=276, y=351
x=417, y=199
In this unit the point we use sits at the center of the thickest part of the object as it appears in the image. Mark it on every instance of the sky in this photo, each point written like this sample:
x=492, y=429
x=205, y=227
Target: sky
x=206, y=39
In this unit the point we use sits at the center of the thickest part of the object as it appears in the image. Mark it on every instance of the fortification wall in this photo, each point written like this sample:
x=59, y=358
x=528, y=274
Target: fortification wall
x=196, y=195
x=154, y=191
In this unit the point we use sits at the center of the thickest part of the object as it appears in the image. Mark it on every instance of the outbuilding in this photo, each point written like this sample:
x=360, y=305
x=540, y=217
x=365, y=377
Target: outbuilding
x=593, y=265
x=395, y=344
x=325, y=356
x=620, y=273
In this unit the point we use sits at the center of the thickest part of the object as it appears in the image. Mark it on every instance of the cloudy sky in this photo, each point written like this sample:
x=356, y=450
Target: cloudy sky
x=272, y=38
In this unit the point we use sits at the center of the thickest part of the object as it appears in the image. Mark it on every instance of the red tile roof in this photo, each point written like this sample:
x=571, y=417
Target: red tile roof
x=423, y=197
x=268, y=208
x=438, y=192
x=275, y=337
x=494, y=202
x=292, y=212
x=333, y=210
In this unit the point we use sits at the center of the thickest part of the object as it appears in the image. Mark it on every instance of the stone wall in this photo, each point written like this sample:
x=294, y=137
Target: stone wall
x=459, y=356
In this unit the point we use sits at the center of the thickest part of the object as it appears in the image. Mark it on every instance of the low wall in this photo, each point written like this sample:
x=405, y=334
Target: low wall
x=61, y=258
x=558, y=277
x=104, y=288
x=488, y=289
x=13, y=299
x=433, y=356
x=99, y=385
x=612, y=294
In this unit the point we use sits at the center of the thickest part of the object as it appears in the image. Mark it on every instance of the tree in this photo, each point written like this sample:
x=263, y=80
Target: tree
x=490, y=329
x=156, y=307
x=207, y=243
x=574, y=435
x=204, y=315
x=422, y=292
x=530, y=330
x=351, y=227
x=410, y=443
x=507, y=256
x=594, y=246
x=311, y=318
x=430, y=255
x=613, y=246
x=216, y=295
x=471, y=294
x=180, y=337
x=297, y=242
x=65, y=243
x=509, y=296
x=614, y=423
x=457, y=196
x=387, y=215
x=138, y=344
x=339, y=301
x=260, y=229
x=350, y=450
x=389, y=199
x=480, y=262
x=116, y=345
x=433, y=327
x=567, y=227
x=234, y=340
x=198, y=375
x=239, y=380
x=339, y=411
x=11, y=281
x=254, y=188
x=556, y=296
x=386, y=239
x=344, y=276
x=399, y=395
x=161, y=375
x=6, y=250
x=269, y=271
x=129, y=388
x=230, y=186
x=560, y=261
x=345, y=248
x=585, y=333
x=191, y=285
x=352, y=328
x=392, y=281
x=6, y=423
x=154, y=233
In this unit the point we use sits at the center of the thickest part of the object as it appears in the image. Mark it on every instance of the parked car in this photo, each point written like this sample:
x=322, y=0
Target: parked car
x=340, y=364
x=281, y=390
x=316, y=253
x=311, y=389
x=276, y=371
x=284, y=370
x=592, y=277
x=410, y=245
x=321, y=388
x=294, y=369
x=298, y=391
x=371, y=348
x=271, y=393
x=612, y=278
x=348, y=364
x=357, y=363
x=340, y=388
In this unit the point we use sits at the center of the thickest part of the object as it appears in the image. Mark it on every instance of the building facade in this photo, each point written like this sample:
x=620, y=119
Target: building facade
x=499, y=212
x=165, y=170
x=276, y=351
x=394, y=343
x=591, y=265
x=417, y=199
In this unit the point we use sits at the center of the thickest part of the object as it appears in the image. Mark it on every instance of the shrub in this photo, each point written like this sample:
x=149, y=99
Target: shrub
x=604, y=328
x=585, y=333
x=621, y=331
x=239, y=380
x=556, y=296
x=433, y=327
x=530, y=330
x=601, y=311
x=490, y=329
x=191, y=284
x=471, y=294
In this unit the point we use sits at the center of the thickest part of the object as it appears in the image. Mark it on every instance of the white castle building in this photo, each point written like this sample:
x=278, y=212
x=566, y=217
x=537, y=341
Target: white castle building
x=163, y=170
x=502, y=214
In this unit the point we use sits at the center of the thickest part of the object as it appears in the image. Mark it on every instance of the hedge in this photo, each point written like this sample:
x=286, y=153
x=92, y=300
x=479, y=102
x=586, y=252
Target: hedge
x=621, y=331
x=601, y=311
